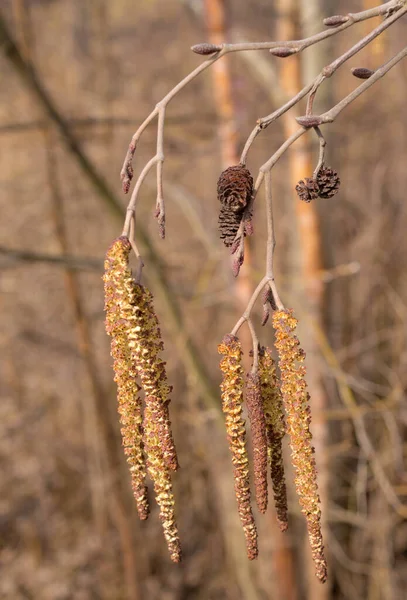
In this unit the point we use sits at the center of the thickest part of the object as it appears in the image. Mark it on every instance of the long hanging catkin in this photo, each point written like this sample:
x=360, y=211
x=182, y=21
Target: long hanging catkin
x=232, y=403
x=136, y=345
x=296, y=403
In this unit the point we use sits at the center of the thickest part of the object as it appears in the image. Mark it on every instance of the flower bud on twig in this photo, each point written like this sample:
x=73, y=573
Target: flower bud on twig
x=206, y=48
x=335, y=20
x=362, y=72
x=283, y=52
x=309, y=121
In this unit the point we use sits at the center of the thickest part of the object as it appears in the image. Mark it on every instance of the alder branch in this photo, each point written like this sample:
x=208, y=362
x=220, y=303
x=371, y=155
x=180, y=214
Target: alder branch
x=391, y=10
x=264, y=172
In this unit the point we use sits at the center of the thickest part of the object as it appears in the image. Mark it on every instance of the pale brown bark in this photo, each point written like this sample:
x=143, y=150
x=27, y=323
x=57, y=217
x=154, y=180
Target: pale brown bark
x=308, y=287
x=228, y=143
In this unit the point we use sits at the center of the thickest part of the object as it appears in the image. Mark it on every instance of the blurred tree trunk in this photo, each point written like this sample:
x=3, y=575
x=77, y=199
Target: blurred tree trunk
x=378, y=47
x=228, y=140
x=306, y=246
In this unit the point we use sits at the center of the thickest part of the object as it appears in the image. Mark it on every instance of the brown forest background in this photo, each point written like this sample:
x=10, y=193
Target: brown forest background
x=68, y=525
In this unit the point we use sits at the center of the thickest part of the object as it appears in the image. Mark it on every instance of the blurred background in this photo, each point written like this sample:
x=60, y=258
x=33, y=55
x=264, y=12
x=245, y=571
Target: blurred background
x=77, y=78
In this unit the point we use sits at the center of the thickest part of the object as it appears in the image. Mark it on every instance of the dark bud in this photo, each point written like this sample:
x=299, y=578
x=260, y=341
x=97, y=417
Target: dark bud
x=283, y=52
x=362, y=73
x=307, y=189
x=309, y=121
x=335, y=21
x=328, y=182
x=235, y=188
x=205, y=49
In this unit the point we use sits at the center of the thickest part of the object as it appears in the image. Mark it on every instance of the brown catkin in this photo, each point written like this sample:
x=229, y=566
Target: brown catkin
x=232, y=403
x=274, y=417
x=259, y=439
x=296, y=403
x=129, y=401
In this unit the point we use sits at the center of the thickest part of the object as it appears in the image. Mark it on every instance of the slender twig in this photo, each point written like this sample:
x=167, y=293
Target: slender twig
x=322, y=146
x=264, y=175
x=330, y=69
x=327, y=71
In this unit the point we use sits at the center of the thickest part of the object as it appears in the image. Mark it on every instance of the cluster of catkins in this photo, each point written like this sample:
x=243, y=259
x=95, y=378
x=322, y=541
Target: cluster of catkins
x=268, y=399
x=135, y=348
x=324, y=184
x=275, y=404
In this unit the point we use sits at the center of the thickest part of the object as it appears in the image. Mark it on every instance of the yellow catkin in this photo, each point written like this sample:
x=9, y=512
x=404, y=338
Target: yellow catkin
x=296, y=403
x=129, y=401
x=274, y=416
x=161, y=476
x=136, y=345
x=259, y=439
x=232, y=402
x=146, y=344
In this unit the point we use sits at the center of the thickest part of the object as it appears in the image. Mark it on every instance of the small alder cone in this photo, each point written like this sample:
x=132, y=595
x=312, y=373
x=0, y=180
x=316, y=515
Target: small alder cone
x=307, y=189
x=235, y=189
x=328, y=182
x=128, y=398
x=232, y=403
x=297, y=410
x=274, y=418
x=259, y=439
x=229, y=222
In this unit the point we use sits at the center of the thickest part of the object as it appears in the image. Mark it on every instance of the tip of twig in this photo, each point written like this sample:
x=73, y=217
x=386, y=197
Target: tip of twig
x=283, y=52
x=309, y=121
x=205, y=49
x=336, y=20
x=362, y=72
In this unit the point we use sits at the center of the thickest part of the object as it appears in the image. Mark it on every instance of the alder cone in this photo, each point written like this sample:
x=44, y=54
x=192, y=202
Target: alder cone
x=229, y=222
x=328, y=182
x=307, y=189
x=235, y=188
